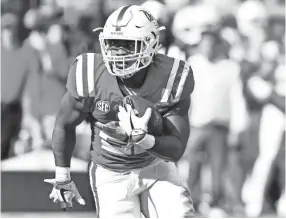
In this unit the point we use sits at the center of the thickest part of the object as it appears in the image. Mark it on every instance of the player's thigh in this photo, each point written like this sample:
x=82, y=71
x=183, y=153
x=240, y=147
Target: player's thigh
x=167, y=200
x=110, y=194
x=168, y=197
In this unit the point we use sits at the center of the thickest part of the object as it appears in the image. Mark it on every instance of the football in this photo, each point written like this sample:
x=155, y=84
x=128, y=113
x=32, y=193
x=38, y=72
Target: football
x=155, y=124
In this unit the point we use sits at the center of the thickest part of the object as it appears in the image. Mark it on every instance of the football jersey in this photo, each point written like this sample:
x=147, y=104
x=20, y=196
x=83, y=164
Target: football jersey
x=168, y=81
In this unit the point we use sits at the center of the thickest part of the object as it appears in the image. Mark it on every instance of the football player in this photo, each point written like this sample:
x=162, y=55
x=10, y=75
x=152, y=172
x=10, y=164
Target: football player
x=126, y=181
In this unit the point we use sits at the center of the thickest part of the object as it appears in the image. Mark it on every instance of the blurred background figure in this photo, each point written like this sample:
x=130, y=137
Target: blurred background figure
x=217, y=111
x=187, y=28
x=47, y=85
x=265, y=86
x=15, y=69
x=235, y=158
x=252, y=20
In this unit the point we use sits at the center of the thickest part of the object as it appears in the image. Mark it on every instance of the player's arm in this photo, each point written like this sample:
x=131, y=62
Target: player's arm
x=172, y=144
x=73, y=110
x=70, y=114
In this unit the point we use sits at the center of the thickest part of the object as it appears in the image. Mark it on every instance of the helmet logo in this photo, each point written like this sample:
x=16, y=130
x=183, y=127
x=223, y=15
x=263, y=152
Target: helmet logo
x=122, y=20
x=102, y=106
x=148, y=15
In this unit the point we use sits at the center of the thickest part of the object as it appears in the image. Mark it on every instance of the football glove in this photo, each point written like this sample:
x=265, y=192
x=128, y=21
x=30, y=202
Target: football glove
x=128, y=121
x=64, y=192
x=135, y=127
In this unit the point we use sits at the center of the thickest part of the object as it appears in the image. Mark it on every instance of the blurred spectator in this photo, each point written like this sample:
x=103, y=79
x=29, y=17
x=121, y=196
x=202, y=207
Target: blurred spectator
x=174, y=5
x=216, y=100
x=46, y=86
x=252, y=20
x=18, y=7
x=265, y=87
x=16, y=66
x=188, y=32
x=110, y=5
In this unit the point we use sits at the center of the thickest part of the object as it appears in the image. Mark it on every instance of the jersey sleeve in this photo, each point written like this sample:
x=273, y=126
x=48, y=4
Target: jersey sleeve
x=71, y=81
x=81, y=80
x=182, y=81
x=187, y=85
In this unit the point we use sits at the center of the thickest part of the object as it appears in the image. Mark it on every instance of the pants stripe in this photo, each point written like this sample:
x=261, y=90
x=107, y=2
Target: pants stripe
x=92, y=171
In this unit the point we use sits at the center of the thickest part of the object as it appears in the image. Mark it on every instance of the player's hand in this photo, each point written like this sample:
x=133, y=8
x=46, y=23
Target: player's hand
x=130, y=122
x=135, y=127
x=141, y=123
x=64, y=192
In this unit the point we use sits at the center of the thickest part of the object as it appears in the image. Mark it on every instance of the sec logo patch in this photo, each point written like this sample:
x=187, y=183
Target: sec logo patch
x=102, y=106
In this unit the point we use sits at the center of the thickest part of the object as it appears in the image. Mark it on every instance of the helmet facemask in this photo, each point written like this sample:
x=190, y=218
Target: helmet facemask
x=135, y=54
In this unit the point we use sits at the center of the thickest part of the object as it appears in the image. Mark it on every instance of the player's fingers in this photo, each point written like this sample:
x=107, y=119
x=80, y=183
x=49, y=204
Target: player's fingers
x=78, y=198
x=56, y=201
x=122, y=115
x=59, y=195
x=61, y=200
x=133, y=116
x=51, y=181
x=68, y=197
x=53, y=194
x=69, y=204
x=122, y=109
x=135, y=111
x=126, y=128
x=128, y=107
x=147, y=114
x=63, y=206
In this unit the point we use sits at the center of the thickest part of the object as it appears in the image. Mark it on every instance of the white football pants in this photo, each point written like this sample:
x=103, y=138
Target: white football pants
x=154, y=191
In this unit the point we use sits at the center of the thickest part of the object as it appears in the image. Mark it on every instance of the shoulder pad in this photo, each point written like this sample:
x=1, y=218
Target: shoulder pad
x=180, y=83
x=80, y=82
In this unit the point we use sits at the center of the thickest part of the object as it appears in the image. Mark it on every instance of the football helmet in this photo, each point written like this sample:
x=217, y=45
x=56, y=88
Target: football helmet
x=129, y=40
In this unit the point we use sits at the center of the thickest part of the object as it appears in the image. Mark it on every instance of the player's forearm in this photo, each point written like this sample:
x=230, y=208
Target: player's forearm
x=168, y=148
x=63, y=145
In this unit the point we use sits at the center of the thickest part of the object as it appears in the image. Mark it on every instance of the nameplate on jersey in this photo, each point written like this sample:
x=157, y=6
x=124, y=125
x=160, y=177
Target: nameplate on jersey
x=102, y=106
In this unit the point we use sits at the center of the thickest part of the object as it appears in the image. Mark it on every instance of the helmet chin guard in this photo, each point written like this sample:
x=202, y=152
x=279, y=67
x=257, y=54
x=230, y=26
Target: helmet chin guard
x=131, y=23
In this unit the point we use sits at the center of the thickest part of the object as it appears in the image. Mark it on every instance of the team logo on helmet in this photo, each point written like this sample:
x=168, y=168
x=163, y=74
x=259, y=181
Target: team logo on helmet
x=102, y=106
x=148, y=15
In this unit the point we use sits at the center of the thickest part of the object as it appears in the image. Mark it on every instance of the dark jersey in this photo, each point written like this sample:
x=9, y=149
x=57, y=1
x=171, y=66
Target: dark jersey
x=168, y=81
